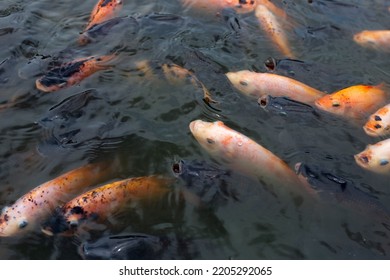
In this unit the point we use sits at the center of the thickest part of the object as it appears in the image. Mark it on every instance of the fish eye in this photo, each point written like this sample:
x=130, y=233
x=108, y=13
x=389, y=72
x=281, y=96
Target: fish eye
x=243, y=83
x=335, y=104
x=383, y=162
x=23, y=224
x=210, y=141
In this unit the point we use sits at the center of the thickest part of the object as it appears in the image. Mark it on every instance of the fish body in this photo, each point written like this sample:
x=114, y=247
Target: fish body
x=375, y=158
x=327, y=187
x=100, y=203
x=261, y=84
x=104, y=10
x=271, y=26
x=378, y=123
x=239, y=6
x=374, y=39
x=124, y=247
x=35, y=206
x=241, y=153
x=72, y=73
x=354, y=102
x=104, y=28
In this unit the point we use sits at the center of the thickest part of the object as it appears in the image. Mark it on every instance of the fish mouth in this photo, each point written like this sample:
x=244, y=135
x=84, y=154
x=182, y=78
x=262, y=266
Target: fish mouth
x=362, y=159
x=370, y=132
x=193, y=126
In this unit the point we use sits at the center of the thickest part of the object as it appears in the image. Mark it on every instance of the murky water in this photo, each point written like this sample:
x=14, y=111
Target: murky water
x=143, y=121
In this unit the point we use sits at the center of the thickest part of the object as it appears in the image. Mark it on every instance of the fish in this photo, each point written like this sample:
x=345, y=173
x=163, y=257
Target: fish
x=175, y=73
x=35, y=206
x=124, y=24
x=327, y=187
x=100, y=203
x=285, y=106
x=242, y=154
x=72, y=73
x=240, y=6
x=104, y=10
x=271, y=26
x=378, y=123
x=204, y=180
x=376, y=157
x=354, y=102
x=374, y=39
x=134, y=246
x=260, y=84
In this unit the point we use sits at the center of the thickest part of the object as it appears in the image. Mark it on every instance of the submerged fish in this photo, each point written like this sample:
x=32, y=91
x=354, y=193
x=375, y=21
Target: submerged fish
x=102, y=202
x=124, y=247
x=375, y=158
x=354, y=102
x=104, y=10
x=378, y=123
x=241, y=6
x=374, y=39
x=243, y=154
x=204, y=180
x=126, y=24
x=260, y=84
x=327, y=187
x=270, y=24
x=35, y=206
x=72, y=72
x=285, y=106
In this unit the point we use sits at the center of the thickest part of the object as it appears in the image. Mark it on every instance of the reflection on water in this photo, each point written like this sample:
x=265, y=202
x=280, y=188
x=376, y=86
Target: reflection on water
x=141, y=118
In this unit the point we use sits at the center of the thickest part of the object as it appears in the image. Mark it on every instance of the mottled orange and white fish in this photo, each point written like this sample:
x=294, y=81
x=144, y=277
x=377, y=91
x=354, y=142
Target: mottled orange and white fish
x=102, y=202
x=378, y=123
x=242, y=154
x=354, y=102
x=375, y=158
x=272, y=27
x=374, y=39
x=240, y=6
x=104, y=10
x=261, y=84
x=72, y=72
x=35, y=206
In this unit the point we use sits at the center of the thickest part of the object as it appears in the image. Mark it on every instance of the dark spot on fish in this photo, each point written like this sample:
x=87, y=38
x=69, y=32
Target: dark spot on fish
x=6, y=217
x=383, y=162
x=77, y=210
x=377, y=118
x=378, y=126
x=243, y=83
x=210, y=141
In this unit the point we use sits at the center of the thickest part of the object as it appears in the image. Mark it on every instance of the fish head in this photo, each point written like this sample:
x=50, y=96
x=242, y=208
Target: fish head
x=374, y=159
x=320, y=182
x=365, y=38
x=332, y=103
x=244, y=82
x=243, y=6
x=217, y=139
x=64, y=222
x=375, y=126
x=12, y=222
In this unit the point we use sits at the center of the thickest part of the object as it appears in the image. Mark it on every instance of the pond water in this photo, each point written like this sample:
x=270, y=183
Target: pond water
x=142, y=120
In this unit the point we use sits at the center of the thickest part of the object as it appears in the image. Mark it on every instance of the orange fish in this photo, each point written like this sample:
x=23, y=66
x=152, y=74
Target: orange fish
x=35, y=206
x=271, y=25
x=102, y=202
x=354, y=102
x=261, y=84
x=374, y=39
x=104, y=10
x=378, y=123
x=375, y=158
x=72, y=73
x=242, y=154
x=240, y=6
